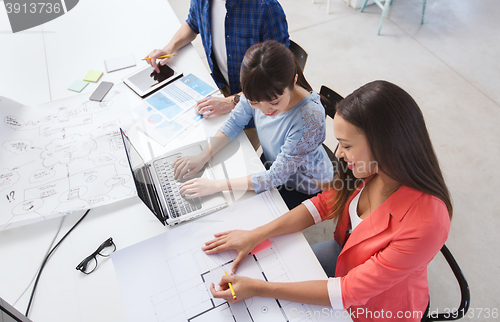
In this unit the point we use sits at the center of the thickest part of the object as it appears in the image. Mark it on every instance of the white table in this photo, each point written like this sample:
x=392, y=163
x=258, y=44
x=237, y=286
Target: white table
x=38, y=66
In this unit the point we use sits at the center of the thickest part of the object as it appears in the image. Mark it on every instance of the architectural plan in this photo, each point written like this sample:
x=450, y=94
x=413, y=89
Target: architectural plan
x=62, y=156
x=199, y=271
x=168, y=277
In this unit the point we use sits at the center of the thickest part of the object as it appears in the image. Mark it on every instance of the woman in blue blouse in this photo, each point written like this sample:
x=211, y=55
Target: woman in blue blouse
x=290, y=123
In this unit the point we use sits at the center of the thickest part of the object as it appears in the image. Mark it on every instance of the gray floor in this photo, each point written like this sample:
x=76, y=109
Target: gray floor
x=451, y=67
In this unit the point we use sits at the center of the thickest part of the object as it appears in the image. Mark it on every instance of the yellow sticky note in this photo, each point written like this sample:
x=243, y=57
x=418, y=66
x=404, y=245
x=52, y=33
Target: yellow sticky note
x=92, y=76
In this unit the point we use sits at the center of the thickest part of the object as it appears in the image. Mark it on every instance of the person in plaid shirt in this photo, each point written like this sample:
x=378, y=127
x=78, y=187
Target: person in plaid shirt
x=227, y=28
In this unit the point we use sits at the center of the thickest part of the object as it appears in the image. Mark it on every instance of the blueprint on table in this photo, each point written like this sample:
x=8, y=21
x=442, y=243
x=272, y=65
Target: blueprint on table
x=61, y=156
x=168, y=277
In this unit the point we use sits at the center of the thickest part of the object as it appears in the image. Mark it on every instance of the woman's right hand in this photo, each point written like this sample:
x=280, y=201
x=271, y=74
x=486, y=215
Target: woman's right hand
x=186, y=167
x=243, y=286
x=154, y=55
x=243, y=241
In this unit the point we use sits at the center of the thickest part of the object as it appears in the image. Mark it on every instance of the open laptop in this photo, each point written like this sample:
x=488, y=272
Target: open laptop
x=158, y=189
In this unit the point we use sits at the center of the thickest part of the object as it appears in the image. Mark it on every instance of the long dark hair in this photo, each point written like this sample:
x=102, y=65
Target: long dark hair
x=267, y=69
x=395, y=129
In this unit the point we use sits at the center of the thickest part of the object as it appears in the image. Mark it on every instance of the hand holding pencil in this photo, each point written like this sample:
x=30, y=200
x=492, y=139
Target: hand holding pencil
x=161, y=57
x=231, y=287
x=158, y=54
x=226, y=289
x=236, y=288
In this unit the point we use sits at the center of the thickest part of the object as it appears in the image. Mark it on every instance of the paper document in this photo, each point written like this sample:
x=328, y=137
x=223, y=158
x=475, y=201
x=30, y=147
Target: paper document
x=62, y=156
x=168, y=277
x=117, y=63
x=170, y=111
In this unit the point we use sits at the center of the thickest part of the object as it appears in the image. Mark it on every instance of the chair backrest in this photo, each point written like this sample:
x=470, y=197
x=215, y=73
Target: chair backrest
x=464, y=290
x=299, y=52
x=329, y=99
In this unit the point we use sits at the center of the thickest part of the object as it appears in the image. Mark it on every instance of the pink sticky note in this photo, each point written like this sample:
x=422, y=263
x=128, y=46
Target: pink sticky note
x=260, y=247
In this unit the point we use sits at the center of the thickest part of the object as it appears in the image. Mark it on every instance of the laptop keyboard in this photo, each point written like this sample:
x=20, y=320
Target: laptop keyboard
x=178, y=205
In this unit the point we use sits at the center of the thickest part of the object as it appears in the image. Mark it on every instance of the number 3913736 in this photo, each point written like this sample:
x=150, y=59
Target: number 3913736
x=33, y=8
x=475, y=313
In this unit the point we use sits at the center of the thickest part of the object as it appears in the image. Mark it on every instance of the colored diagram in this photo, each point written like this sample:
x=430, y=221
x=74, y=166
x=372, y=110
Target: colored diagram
x=154, y=118
x=197, y=84
x=165, y=106
x=169, y=129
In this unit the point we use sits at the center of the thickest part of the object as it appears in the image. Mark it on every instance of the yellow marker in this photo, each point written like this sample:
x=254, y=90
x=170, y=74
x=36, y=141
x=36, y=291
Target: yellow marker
x=231, y=287
x=161, y=57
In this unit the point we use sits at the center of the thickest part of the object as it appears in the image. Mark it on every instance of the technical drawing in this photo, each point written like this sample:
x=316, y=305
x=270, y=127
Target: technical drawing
x=189, y=299
x=168, y=277
x=60, y=157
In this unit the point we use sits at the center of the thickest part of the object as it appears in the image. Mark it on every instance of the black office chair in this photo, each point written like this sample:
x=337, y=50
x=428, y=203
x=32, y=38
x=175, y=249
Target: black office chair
x=300, y=53
x=329, y=99
x=464, y=290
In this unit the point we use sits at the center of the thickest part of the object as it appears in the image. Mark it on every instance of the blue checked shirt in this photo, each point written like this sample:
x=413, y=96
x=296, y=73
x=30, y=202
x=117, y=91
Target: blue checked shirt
x=247, y=22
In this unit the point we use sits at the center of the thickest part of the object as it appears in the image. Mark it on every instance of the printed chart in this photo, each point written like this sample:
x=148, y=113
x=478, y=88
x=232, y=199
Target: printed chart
x=155, y=118
x=170, y=111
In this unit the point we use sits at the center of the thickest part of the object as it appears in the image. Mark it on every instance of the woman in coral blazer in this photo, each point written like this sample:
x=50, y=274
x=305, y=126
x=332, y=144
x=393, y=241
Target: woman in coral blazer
x=392, y=210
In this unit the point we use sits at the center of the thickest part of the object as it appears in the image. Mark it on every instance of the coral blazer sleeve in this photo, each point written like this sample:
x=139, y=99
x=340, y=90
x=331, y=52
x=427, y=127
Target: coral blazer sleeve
x=383, y=263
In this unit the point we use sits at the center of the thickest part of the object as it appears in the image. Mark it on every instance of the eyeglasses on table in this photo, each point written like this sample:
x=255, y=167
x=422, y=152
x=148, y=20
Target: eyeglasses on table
x=89, y=264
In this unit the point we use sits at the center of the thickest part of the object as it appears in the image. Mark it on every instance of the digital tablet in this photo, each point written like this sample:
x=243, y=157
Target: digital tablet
x=147, y=80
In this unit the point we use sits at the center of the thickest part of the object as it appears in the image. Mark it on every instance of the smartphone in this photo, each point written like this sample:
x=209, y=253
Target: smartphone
x=101, y=91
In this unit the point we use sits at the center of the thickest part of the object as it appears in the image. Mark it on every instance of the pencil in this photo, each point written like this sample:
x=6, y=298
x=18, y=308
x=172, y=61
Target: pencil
x=161, y=57
x=231, y=287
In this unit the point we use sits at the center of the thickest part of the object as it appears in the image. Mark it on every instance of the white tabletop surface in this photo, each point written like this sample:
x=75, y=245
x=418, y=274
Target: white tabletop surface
x=37, y=66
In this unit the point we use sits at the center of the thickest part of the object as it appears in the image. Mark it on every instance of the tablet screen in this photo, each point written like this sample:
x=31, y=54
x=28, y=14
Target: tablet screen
x=148, y=77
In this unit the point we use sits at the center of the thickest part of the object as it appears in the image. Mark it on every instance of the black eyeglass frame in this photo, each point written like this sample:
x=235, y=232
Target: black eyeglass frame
x=83, y=264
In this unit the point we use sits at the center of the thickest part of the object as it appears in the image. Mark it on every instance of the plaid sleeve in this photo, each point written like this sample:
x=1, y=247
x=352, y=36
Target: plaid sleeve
x=192, y=19
x=275, y=27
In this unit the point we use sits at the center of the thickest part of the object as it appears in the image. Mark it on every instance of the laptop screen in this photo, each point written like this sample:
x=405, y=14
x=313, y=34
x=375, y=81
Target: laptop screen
x=142, y=179
x=134, y=158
